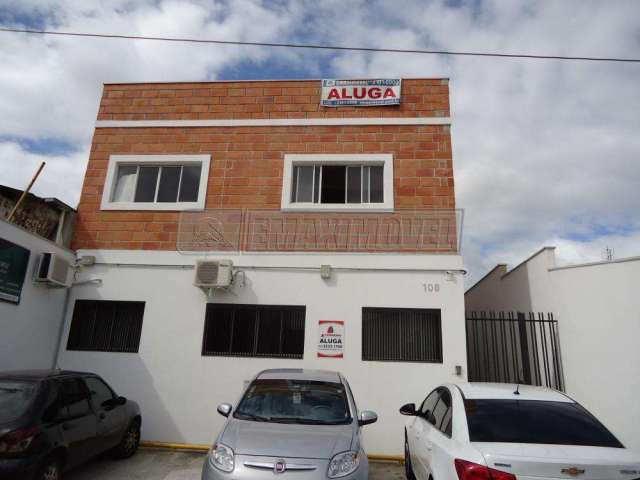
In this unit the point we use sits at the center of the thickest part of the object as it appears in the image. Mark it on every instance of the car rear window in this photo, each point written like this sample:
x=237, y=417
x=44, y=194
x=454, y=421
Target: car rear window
x=15, y=398
x=533, y=421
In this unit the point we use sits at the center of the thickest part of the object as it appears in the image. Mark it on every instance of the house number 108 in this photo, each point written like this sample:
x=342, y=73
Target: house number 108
x=431, y=287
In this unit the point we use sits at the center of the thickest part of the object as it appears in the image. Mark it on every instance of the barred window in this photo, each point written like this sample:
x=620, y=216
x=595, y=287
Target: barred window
x=254, y=330
x=401, y=335
x=106, y=326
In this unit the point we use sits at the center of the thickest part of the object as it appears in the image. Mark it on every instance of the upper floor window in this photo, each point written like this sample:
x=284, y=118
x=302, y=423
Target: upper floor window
x=338, y=182
x=156, y=182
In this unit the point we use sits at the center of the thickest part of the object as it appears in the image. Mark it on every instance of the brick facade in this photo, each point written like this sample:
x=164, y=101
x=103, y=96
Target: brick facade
x=247, y=162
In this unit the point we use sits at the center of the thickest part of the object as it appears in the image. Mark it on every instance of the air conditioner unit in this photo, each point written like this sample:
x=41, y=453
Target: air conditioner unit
x=53, y=270
x=213, y=273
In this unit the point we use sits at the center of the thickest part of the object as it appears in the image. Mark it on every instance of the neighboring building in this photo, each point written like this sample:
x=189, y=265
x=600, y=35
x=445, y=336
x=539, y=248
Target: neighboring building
x=335, y=227
x=30, y=313
x=48, y=217
x=598, y=312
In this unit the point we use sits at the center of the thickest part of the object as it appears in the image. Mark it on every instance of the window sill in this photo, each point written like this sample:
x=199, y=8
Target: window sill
x=338, y=208
x=153, y=207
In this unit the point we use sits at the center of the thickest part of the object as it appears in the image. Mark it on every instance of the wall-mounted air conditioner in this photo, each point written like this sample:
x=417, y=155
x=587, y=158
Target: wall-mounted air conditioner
x=213, y=273
x=53, y=270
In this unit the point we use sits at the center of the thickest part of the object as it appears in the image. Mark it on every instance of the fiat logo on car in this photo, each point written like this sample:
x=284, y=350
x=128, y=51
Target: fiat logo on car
x=280, y=466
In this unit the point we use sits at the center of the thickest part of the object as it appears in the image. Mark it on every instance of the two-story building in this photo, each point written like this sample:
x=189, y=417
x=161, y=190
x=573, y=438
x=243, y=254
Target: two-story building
x=229, y=227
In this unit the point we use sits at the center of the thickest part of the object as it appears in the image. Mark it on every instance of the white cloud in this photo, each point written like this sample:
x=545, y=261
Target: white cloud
x=544, y=151
x=61, y=177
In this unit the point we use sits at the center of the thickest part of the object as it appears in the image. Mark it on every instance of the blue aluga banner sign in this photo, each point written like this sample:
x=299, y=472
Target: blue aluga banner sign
x=372, y=92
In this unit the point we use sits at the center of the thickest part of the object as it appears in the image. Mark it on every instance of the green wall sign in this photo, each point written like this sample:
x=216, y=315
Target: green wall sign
x=13, y=268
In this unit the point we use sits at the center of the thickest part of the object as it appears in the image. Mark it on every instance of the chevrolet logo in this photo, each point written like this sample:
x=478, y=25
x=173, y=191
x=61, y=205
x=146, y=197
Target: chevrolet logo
x=573, y=471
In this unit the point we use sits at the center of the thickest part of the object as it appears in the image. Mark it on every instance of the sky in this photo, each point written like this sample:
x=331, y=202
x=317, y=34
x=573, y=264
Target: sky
x=545, y=152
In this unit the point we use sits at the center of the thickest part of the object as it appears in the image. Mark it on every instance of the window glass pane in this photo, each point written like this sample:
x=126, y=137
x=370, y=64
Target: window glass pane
x=294, y=186
x=365, y=184
x=74, y=397
x=316, y=183
x=429, y=402
x=147, y=179
x=230, y=330
x=106, y=326
x=269, y=330
x=354, y=184
x=15, y=398
x=125, y=183
x=376, y=186
x=304, y=191
x=295, y=401
x=169, y=180
x=217, y=333
x=293, y=332
x=190, y=185
x=53, y=408
x=533, y=421
x=244, y=331
x=401, y=335
x=99, y=391
x=333, y=183
x=441, y=408
x=446, y=422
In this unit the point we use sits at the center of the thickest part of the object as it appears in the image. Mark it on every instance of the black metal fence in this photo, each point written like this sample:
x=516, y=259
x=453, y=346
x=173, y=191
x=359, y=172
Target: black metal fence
x=514, y=348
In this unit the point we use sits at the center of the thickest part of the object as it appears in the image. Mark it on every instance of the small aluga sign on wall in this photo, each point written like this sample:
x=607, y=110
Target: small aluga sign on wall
x=363, y=93
x=331, y=339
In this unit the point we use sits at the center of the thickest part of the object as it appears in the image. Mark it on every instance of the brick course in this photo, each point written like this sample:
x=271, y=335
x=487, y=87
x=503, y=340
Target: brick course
x=247, y=162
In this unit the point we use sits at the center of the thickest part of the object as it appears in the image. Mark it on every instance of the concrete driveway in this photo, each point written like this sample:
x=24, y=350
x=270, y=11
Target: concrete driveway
x=151, y=464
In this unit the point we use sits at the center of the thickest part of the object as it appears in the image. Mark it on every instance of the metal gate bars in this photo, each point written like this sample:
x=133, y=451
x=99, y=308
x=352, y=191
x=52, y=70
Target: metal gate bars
x=514, y=348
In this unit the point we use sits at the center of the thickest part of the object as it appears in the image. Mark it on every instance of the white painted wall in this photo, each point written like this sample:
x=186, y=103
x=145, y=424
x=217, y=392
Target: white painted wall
x=525, y=288
x=598, y=307
x=29, y=331
x=598, y=310
x=179, y=389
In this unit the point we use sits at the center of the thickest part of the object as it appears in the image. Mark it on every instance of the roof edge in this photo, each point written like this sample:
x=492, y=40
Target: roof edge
x=531, y=257
x=485, y=276
x=593, y=264
x=257, y=80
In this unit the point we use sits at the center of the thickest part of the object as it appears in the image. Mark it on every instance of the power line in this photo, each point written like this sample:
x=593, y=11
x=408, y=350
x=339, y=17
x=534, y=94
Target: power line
x=321, y=47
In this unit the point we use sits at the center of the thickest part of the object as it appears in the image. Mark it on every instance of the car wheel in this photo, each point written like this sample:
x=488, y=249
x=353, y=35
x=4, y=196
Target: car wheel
x=50, y=470
x=130, y=441
x=408, y=469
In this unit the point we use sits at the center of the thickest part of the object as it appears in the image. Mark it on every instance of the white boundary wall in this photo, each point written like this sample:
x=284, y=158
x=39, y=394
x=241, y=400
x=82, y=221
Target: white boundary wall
x=598, y=310
x=29, y=331
x=178, y=389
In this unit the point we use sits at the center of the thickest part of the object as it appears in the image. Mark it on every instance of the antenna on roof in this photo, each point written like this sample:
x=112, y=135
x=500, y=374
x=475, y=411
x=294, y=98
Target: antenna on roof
x=517, y=392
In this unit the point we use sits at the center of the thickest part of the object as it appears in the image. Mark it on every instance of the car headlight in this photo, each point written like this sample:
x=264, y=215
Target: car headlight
x=221, y=457
x=343, y=464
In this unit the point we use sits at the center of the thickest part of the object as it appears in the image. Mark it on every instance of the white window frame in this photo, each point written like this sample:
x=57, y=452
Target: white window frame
x=378, y=159
x=116, y=161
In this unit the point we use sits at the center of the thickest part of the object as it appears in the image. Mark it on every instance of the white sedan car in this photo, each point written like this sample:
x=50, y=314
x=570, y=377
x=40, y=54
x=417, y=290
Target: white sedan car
x=483, y=431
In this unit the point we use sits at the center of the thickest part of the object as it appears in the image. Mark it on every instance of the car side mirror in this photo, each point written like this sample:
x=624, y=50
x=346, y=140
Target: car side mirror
x=367, y=417
x=409, y=410
x=224, y=409
x=113, y=403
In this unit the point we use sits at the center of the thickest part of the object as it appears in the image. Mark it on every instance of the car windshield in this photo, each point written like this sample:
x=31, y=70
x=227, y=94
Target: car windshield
x=533, y=421
x=15, y=399
x=295, y=401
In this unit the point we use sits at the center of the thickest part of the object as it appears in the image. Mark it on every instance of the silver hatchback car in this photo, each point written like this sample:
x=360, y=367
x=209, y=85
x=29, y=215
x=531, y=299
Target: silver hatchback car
x=296, y=423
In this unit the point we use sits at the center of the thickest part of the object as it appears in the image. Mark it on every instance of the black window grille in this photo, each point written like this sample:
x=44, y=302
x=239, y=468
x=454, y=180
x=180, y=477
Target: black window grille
x=254, y=330
x=401, y=335
x=106, y=326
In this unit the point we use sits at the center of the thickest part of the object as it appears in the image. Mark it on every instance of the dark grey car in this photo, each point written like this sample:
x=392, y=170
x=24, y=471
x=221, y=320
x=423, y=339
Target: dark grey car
x=293, y=422
x=53, y=420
